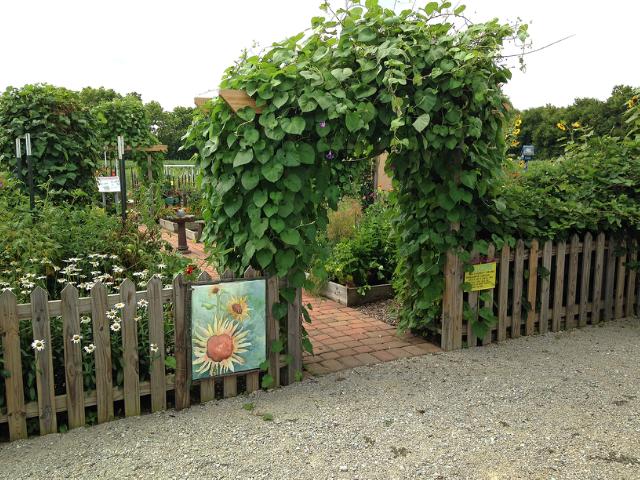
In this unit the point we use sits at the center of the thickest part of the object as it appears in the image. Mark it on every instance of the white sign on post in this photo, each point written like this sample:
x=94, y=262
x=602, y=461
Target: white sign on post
x=108, y=184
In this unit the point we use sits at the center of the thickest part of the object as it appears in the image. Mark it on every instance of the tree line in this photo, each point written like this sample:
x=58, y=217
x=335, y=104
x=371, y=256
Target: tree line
x=543, y=126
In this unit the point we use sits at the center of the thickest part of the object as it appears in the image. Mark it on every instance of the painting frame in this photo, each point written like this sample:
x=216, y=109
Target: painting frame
x=188, y=312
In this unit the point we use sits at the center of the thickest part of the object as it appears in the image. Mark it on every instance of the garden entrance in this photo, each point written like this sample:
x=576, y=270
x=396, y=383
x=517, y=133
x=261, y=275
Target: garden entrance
x=342, y=337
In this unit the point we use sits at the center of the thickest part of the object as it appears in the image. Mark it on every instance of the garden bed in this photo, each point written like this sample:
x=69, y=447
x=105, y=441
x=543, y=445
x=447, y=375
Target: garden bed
x=350, y=297
x=193, y=229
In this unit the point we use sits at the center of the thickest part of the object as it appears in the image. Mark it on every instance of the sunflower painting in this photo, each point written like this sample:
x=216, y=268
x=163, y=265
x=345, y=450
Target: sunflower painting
x=228, y=328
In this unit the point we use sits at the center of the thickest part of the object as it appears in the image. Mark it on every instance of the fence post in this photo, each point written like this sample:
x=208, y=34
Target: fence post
x=452, y=303
x=72, y=357
x=156, y=337
x=182, y=350
x=253, y=378
x=273, y=329
x=130, y=354
x=10, y=333
x=294, y=337
x=44, y=361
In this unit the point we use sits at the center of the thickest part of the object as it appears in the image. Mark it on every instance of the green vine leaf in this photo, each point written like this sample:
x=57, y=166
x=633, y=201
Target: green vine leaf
x=422, y=122
x=294, y=126
x=290, y=237
x=243, y=157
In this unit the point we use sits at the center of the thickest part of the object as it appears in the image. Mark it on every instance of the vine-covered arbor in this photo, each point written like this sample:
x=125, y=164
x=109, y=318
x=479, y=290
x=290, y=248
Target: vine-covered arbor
x=423, y=85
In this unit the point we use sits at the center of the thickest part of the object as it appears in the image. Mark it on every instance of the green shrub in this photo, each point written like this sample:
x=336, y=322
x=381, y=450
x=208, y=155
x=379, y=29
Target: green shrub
x=63, y=136
x=367, y=257
x=594, y=187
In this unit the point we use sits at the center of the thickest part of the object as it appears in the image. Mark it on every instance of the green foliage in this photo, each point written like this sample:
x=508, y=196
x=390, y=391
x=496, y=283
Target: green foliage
x=539, y=125
x=172, y=126
x=594, y=187
x=64, y=144
x=128, y=117
x=69, y=245
x=368, y=256
x=341, y=93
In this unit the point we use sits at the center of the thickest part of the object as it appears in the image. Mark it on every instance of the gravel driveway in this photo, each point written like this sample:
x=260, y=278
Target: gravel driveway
x=556, y=406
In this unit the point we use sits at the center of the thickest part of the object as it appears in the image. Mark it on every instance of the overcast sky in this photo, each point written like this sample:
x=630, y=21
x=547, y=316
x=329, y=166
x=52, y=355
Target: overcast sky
x=171, y=51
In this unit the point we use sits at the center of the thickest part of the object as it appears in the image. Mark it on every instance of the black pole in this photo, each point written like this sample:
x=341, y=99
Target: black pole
x=19, y=168
x=32, y=202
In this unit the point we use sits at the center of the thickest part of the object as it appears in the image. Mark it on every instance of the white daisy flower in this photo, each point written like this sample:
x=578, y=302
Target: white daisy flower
x=115, y=327
x=76, y=338
x=61, y=280
x=142, y=303
x=113, y=257
x=153, y=347
x=119, y=305
x=84, y=319
x=137, y=319
x=161, y=266
x=90, y=348
x=38, y=345
x=7, y=289
x=117, y=269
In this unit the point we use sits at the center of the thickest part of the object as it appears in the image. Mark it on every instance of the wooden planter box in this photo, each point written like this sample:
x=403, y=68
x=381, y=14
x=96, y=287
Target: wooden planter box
x=350, y=297
x=193, y=229
x=169, y=225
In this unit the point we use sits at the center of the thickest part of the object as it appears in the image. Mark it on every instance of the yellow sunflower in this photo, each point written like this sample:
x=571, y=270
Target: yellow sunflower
x=238, y=308
x=219, y=346
x=561, y=126
x=575, y=124
x=518, y=122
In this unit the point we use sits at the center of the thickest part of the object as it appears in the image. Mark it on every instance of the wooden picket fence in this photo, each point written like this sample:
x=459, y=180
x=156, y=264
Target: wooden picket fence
x=160, y=385
x=556, y=286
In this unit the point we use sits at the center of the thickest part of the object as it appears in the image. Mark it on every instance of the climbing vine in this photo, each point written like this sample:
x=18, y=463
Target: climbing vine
x=423, y=85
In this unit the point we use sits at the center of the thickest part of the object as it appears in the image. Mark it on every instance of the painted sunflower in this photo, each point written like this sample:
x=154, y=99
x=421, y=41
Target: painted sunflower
x=238, y=308
x=219, y=346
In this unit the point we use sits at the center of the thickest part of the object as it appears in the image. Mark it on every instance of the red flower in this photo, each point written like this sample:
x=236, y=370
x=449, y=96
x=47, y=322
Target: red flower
x=189, y=269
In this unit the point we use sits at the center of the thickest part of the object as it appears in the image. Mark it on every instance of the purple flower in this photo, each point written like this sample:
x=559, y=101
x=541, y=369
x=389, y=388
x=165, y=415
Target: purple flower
x=330, y=155
x=323, y=124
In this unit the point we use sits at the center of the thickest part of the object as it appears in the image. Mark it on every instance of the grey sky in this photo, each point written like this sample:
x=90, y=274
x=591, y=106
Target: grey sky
x=171, y=51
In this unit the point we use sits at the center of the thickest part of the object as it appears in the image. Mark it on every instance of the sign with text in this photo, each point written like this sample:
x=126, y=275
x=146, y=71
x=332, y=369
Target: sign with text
x=483, y=277
x=108, y=184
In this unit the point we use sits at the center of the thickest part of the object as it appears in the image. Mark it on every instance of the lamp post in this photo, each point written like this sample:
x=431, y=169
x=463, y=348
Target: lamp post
x=123, y=178
x=18, y=158
x=27, y=141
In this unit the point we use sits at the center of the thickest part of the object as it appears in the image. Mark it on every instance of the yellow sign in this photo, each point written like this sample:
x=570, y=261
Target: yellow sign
x=483, y=277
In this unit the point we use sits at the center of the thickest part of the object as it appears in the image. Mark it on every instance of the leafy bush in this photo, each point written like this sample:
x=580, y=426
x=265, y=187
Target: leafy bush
x=64, y=143
x=367, y=257
x=593, y=187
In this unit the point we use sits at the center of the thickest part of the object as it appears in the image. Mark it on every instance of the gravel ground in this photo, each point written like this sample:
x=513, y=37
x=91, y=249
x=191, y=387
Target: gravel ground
x=563, y=406
x=384, y=310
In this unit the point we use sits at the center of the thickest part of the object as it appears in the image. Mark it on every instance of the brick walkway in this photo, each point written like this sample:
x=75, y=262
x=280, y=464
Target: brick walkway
x=342, y=337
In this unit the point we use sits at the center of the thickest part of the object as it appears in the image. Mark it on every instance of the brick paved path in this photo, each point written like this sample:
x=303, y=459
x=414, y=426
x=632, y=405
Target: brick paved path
x=342, y=337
